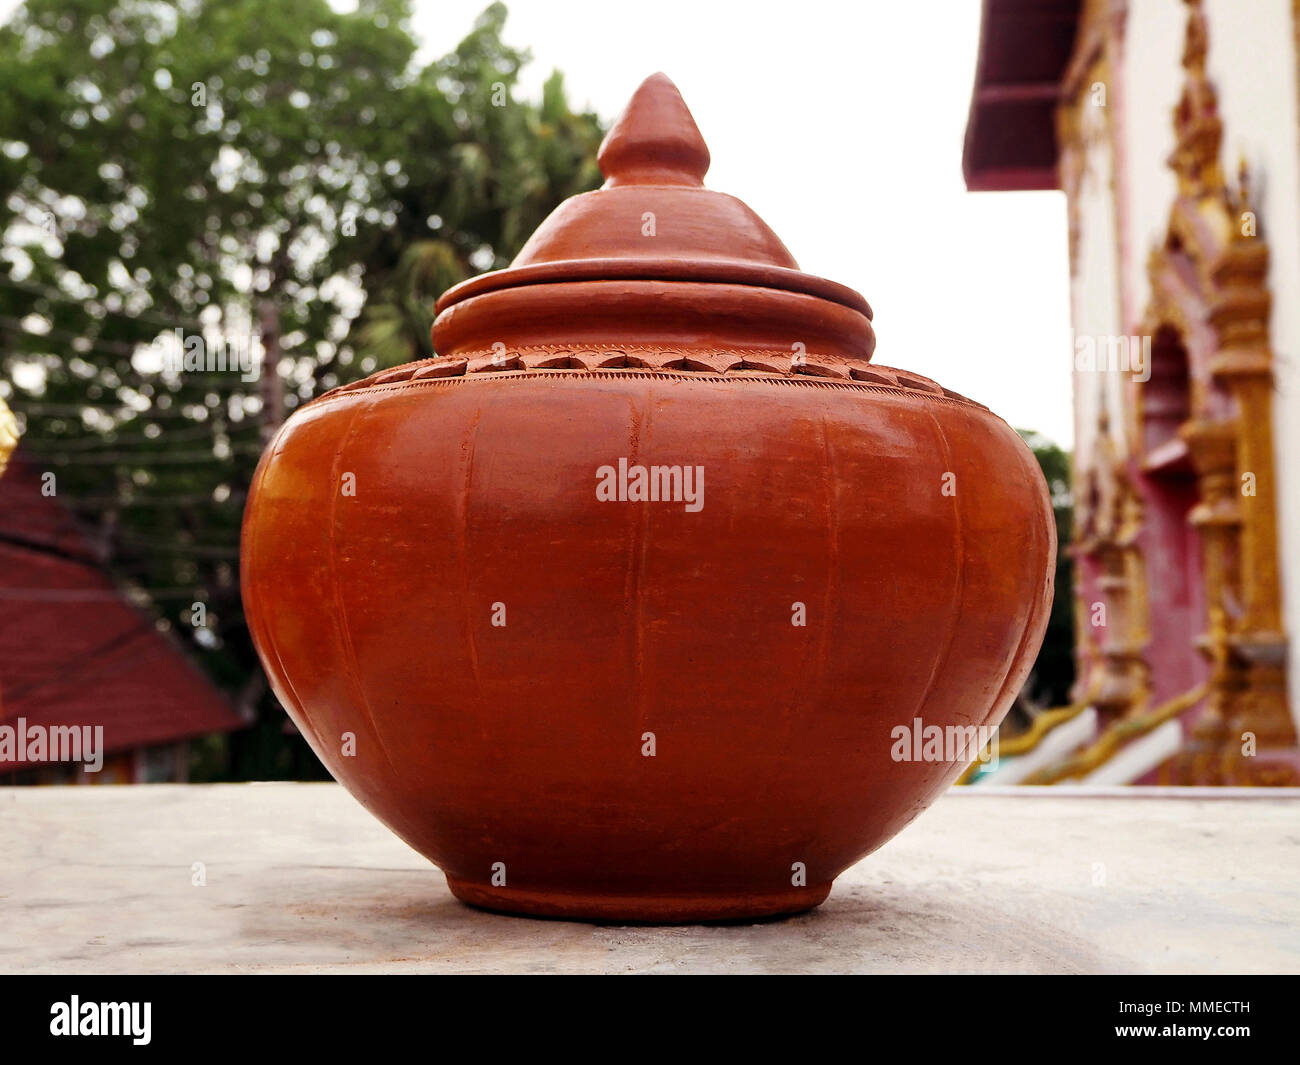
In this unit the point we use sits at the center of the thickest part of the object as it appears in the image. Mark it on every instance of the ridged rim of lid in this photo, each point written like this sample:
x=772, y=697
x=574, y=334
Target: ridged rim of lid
x=758, y=275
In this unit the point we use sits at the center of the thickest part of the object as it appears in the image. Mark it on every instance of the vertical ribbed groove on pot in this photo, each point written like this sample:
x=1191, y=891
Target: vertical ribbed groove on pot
x=340, y=604
x=959, y=584
x=829, y=481
x=638, y=547
x=466, y=570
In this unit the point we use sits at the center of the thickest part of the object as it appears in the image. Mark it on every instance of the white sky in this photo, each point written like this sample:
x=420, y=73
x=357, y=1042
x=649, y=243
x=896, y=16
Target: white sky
x=840, y=122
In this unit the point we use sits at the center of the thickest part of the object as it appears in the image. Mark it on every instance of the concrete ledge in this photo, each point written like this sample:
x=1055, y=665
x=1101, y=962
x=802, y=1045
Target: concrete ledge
x=300, y=878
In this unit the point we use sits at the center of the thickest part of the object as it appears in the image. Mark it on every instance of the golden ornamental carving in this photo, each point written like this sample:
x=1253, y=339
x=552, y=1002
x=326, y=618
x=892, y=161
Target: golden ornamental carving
x=1198, y=129
x=1209, y=288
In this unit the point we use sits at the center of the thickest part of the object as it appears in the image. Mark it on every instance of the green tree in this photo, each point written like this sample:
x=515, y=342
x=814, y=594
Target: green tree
x=1053, y=674
x=478, y=179
x=238, y=170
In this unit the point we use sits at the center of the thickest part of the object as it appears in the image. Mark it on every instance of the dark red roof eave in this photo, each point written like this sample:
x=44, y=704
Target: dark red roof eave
x=1024, y=48
x=1013, y=179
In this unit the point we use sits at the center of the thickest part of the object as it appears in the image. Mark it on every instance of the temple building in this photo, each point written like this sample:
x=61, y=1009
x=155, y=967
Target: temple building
x=1173, y=128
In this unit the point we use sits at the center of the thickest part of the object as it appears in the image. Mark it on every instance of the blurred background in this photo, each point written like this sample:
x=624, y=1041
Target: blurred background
x=297, y=181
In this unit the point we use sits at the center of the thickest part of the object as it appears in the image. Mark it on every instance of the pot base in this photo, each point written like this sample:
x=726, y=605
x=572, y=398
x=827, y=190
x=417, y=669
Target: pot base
x=639, y=909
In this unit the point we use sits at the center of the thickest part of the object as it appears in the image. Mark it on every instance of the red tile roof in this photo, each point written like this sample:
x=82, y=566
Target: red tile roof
x=73, y=651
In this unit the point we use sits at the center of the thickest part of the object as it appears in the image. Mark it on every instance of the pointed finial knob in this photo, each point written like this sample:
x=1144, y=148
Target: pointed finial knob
x=655, y=141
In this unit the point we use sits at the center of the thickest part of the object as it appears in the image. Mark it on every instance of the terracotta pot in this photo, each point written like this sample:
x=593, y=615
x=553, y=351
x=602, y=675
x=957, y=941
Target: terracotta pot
x=578, y=701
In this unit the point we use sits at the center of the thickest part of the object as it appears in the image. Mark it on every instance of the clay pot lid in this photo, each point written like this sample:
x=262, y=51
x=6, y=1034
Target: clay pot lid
x=653, y=220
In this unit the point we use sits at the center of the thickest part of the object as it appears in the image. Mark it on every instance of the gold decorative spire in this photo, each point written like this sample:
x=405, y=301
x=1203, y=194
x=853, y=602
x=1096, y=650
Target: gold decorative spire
x=1198, y=129
x=1247, y=225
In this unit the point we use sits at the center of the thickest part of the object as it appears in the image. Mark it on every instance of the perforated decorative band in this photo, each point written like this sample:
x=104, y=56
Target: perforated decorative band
x=732, y=362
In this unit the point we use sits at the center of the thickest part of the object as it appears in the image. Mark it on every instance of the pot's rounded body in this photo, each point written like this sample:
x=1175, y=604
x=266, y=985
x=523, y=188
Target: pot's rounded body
x=663, y=709
x=650, y=598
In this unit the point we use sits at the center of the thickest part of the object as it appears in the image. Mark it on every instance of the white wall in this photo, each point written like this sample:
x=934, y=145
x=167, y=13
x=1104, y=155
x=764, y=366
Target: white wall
x=1095, y=290
x=1153, y=80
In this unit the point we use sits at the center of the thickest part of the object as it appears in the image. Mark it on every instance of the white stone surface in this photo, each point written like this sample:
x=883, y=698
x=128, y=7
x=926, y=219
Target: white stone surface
x=300, y=878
